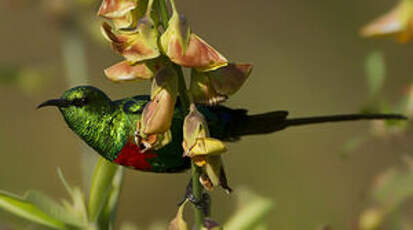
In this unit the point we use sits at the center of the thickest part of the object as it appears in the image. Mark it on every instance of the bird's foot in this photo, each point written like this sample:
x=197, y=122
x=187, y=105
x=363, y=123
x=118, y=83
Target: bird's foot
x=202, y=203
x=143, y=144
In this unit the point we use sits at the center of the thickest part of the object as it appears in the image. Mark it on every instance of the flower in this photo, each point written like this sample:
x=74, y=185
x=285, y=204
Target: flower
x=204, y=150
x=153, y=128
x=215, y=86
x=397, y=23
x=187, y=49
x=138, y=44
x=123, y=13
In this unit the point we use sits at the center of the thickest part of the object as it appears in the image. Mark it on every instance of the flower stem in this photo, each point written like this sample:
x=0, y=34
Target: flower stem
x=163, y=10
x=197, y=190
x=186, y=101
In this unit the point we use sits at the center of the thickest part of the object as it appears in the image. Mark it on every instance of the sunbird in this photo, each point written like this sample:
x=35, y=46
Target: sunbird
x=109, y=126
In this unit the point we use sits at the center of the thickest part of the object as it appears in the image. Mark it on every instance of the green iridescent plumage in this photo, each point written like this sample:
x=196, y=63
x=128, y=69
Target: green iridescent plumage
x=109, y=126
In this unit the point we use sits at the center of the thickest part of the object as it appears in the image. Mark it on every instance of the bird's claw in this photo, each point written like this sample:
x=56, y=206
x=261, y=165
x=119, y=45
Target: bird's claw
x=144, y=146
x=202, y=203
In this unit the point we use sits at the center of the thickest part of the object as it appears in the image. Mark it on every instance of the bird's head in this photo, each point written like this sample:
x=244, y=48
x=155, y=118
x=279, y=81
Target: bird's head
x=81, y=103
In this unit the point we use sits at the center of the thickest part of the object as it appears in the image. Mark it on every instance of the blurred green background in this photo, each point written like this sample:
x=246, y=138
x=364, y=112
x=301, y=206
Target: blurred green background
x=309, y=59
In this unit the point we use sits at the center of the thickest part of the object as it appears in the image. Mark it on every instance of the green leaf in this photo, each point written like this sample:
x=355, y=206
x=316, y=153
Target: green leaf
x=376, y=72
x=53, y=209
x=253, y=209
x=101, y=186
x=26, y=209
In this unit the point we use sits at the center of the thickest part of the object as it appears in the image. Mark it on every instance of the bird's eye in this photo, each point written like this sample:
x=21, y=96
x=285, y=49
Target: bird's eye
x=80, y=102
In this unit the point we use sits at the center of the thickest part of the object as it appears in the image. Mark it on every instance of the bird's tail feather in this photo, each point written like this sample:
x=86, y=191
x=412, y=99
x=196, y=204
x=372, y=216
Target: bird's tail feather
x=275, y=121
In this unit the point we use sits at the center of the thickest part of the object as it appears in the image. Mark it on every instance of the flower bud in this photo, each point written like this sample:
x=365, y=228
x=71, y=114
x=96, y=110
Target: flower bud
x=215, y=86
x=204, y=150
x=178, y=223
x=196, y=136
x=187, y=49
x=157, y=114
x=398, y=23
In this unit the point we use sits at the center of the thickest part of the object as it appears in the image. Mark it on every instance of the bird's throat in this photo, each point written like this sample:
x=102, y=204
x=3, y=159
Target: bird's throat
x=106, y=133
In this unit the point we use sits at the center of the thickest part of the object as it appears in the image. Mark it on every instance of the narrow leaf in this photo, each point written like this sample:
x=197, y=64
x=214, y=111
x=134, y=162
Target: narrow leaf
x=53, y=209
x=27, y=210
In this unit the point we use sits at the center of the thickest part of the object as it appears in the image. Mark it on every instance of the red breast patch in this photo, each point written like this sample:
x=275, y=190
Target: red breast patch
x=131, y=156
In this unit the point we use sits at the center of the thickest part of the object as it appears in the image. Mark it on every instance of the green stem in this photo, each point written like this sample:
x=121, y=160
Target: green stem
x=197, y=190
x=163, y=10
x=183, y=92
x=186, y=100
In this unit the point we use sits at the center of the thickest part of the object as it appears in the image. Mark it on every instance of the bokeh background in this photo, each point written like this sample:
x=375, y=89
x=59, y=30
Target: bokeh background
x=309, y=59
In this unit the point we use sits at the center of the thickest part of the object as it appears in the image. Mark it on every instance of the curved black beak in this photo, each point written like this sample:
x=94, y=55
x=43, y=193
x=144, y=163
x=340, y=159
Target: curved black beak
x=54, y=102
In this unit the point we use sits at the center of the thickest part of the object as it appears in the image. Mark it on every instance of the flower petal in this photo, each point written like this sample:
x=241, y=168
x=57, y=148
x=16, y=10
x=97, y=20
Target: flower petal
x=213, y=169
x=194, y=127
x=207, y=146
x=199, y=54
x=229, y=79
x=395, y=22
x=178, y=28
x=157, y=114
x=137, y=45
x=123, y=71
x=215, y=86
x=116, y=8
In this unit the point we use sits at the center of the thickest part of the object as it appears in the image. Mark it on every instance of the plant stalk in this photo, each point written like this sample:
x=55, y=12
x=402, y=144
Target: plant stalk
x=186, y=100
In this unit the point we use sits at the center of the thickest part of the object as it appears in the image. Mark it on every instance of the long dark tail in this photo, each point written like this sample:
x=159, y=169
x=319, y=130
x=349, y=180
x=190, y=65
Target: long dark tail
x=275, y=121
